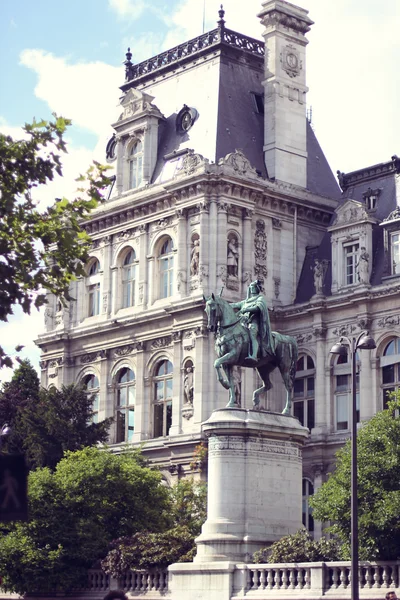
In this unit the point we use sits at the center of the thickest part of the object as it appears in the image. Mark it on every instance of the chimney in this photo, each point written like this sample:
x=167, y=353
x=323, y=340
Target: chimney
x=285, y=133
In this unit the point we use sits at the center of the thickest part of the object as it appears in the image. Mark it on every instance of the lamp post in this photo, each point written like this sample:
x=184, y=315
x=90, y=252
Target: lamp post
x=345, y=346
x=4, y=432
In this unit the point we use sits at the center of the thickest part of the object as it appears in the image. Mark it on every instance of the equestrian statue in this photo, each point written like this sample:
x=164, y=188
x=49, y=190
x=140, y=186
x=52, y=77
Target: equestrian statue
x=243, y=337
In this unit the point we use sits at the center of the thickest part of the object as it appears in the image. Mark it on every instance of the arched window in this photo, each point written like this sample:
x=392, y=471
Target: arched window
x=343, y=392
x=136, y=165
x=308, y=519
x=162, y=398
x=166, y=261
x=93, y=288
x=125, y=403
x=304, y=392
x=92, y=387
x=390, y=363
x=128, y=280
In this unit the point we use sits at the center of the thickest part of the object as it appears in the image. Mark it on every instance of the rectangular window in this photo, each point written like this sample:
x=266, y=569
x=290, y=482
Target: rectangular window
x=131, y=423
x=158, y=420
x=342, y=412
x=298, y=411
x=120, y=437
x=350, y=263
x=94, y=299
x=395, y=252
x=298, y=388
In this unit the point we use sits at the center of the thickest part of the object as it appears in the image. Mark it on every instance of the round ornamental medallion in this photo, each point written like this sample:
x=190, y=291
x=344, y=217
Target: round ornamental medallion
x=290, y=59
x=185, y=119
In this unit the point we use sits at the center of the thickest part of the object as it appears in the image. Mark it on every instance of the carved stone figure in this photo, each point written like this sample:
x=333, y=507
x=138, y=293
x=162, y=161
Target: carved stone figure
x=233, y=257
x=237, y=383
x=188, y=385
x=363, y=266
x=318, y=276
x=235, y=341
x=195, y=258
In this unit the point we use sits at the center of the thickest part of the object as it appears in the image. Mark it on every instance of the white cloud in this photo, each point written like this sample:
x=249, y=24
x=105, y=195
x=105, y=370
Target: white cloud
x=128, y=8
x=87, y=93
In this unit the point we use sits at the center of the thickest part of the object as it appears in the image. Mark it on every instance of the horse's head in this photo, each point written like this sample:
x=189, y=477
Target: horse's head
x=213, y=312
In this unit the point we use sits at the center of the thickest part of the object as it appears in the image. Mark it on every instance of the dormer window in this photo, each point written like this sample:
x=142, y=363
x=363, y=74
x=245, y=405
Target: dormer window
x=351, y=251
x=371, y=198
x=395, y=252
x=136, y=165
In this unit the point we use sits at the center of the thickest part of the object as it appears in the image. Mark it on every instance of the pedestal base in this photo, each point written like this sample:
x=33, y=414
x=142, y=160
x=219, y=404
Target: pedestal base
x=254, y=483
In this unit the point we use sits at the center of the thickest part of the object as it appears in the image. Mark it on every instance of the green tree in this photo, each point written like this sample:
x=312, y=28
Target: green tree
x=46, y=423
x=187, y=513
x=41, y=251
x=298, y=547
x=21, y=391
x=58, y=421
x=378, y=448
x=92, y=497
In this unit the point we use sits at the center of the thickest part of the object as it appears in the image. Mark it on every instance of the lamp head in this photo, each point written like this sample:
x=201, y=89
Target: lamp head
x=5, y=430
x=339, y=348
x=366, y=342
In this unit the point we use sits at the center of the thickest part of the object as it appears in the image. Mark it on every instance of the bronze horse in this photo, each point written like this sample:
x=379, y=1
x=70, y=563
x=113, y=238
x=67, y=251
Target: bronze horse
x=232, y=344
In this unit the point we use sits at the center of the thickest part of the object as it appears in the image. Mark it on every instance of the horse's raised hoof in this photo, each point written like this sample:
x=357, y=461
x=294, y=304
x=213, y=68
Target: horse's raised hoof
x=286, y=411
x=231, y=405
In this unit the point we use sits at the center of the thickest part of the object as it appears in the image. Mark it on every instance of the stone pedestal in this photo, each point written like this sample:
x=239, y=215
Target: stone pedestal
x=254, y=483
x=254, y=497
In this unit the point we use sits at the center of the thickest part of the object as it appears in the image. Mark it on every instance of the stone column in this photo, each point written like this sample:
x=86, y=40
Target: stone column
x=205, y=238
x=141, y=418
x=254, y=483
x=248, y=254
x=144, y=269
x=182, y=273
x=221, y=274
x=176, y=426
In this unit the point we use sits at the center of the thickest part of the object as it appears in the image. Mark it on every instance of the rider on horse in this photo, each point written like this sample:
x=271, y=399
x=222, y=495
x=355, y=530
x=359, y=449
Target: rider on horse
x=254, y=314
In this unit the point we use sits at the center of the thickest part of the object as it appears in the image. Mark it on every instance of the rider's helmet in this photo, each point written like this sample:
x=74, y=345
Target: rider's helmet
x=254, y=288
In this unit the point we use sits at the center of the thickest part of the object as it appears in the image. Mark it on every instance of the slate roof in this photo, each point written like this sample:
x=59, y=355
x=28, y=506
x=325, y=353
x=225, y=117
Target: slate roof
x=380, y=177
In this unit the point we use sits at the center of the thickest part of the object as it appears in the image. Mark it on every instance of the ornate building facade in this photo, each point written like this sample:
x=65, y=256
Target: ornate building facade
x=219, y=179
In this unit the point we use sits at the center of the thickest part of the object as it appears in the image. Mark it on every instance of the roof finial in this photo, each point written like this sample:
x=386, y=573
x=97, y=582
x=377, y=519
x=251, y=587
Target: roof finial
x=221, y=14
x=128, y=64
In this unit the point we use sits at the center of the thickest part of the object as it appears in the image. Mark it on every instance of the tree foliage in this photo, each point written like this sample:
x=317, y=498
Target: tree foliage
x=298, y=547
x=41, y=251
x=144, y=550
x=378, y=448
x=92, y=497
x=46, y=423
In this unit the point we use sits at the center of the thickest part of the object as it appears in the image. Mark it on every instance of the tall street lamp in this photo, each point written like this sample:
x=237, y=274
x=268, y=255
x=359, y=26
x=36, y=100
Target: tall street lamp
x=345, y=346
x=4, y=432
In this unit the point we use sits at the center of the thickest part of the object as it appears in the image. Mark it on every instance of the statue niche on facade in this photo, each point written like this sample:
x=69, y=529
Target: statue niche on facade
x=363, y=266
x=195, y=258
x=232, y=257
x=244, y=338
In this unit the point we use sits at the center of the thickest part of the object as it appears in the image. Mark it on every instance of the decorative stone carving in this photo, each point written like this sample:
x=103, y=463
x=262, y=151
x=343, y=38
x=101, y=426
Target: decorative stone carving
x=344, y=330
x=303, y=338
x=389, y=321
x=276, y=223
x=188, y=385
x=191, y=162
x=393, y=216
x=161, y=342
x=221, y=273
x=176, y=336
x=238, y=162
x=260, y=272
x=260, y=241
x=93, y=356
x=277, y=287
x=290, y=60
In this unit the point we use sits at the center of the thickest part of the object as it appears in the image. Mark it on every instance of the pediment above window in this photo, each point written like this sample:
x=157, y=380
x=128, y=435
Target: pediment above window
x=136, y=104
x=350, y=213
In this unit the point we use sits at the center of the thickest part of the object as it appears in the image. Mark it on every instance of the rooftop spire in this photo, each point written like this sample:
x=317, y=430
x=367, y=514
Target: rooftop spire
x=221, y=14
x=128, y=64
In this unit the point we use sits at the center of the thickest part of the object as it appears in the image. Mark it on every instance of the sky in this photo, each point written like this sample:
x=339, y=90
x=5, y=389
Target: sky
x=67, y=57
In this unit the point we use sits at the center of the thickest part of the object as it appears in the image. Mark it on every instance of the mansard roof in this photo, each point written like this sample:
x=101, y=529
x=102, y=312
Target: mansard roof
x=379, y=179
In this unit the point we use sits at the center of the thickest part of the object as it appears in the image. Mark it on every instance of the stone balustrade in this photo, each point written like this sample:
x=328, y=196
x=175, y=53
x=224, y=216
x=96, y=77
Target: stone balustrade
x=261, y=582
x=314, y=580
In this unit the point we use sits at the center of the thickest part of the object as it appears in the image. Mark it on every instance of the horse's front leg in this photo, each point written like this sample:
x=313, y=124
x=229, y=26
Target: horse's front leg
x=232, y=397
x=219, y=363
